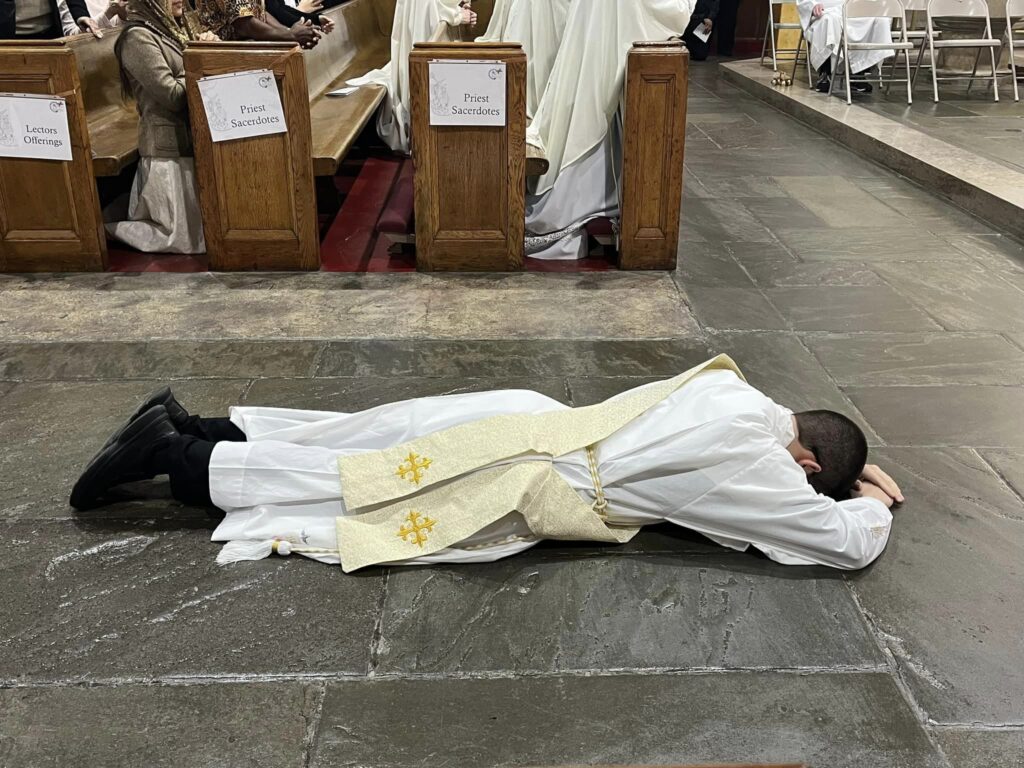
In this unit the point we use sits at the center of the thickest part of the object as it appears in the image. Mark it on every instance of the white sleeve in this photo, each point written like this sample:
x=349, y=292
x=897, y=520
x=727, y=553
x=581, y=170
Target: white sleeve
x=67, y=21
x=771, y=505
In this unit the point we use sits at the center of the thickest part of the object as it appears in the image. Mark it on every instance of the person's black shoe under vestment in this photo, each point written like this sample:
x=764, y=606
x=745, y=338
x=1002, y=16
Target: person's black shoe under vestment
x=824, y=82
x=860, y=86
x=163, y=396
x=126, y=457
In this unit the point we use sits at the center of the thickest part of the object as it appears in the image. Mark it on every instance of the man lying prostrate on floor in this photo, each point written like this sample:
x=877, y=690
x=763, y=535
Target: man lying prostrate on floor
x=823, y=28
x=477, y=477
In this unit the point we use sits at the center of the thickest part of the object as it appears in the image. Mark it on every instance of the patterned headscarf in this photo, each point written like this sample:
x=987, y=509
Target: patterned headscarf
x=155, y=15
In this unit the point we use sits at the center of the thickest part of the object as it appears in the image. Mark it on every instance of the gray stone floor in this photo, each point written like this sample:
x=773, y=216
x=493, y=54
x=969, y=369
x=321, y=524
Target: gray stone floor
x=832, y=281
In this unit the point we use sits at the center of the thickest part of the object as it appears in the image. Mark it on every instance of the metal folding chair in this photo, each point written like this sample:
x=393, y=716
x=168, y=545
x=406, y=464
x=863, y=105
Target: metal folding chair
x=974, y=9
x=773, y=26
x=874, y=9
x=1014, y=10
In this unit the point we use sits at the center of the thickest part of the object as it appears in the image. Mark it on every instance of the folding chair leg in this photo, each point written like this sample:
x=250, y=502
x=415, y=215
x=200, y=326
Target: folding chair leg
x=906, y=56
x=846, y=67
x=807, y=58
x=775, y=60
x=995, y=75
x=764, y=44
x=935, y=79
x=917, y=65
x=974, y=71
x=1013, y=64
x=796, y=57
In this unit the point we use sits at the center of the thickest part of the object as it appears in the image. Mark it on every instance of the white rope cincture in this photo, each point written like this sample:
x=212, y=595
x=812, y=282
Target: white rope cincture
x=239, y=550
x=600, y=505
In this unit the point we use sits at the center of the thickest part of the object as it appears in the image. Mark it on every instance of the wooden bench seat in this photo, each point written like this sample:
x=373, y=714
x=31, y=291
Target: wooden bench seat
x=111, y=115
x=356, y=46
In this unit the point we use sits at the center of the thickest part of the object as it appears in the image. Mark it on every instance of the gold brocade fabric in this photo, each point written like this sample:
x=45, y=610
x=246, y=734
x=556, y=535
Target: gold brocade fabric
x=430, y=493
x=219, y=16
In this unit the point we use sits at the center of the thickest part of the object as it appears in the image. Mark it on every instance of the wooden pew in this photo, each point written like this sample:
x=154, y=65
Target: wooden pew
x=652, y=155
x=470, y=182
x=50, y=217
x=258, y=195
x=110, y=112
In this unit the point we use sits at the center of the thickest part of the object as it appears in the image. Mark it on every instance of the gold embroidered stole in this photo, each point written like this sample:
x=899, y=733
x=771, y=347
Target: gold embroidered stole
x=432, y=492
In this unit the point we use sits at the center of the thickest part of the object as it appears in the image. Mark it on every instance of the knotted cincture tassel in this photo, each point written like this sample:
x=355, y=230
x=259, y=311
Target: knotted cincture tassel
x=247, y=549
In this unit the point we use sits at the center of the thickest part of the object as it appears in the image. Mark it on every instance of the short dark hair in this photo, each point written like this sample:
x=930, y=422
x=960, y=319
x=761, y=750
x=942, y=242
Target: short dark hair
x=838, y=445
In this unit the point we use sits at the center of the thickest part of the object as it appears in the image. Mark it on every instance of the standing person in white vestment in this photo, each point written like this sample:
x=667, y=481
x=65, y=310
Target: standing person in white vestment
x=577, y=123
x=416, y=21
x=538, y=26
x=823, y=28
x=716, y=456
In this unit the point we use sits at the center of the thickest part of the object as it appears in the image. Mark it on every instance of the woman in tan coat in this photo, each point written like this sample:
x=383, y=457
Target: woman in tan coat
x=163, y=212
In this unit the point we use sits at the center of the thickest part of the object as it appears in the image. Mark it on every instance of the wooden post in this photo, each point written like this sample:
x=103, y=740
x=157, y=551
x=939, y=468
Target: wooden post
x=652, y=156
x=470, y=180
x=257, y=194
x=50, y=218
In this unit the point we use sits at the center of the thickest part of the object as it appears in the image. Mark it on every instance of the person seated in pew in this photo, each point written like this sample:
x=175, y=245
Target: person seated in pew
x=702, y=20
x=107, y=15
x=578, y=122
x=537, y=25
x=290, y=15
x=163, y=212
x=249, y=20
x=41, y=19
x=416, y=21
x=823, y=29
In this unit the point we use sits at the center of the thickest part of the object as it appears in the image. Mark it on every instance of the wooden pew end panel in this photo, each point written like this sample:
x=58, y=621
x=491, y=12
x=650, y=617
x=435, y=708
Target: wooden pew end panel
x=652, y=157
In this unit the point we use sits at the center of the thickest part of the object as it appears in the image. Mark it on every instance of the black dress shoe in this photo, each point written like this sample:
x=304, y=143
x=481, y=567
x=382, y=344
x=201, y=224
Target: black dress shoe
x=126, y=457
x=860, y=86
x=164, y=397
x=824, y=82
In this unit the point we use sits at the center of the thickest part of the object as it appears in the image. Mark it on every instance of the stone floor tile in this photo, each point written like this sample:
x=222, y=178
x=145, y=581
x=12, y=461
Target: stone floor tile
x=913, y=359
x=870, y=244
x=348, y=395
x=595, y=389
x=50, y=430
x=713, y=217
x=940, y=595
x=158, y=359
x=256, y=724
x=511, y=359
x=1009, y=465
x=839, y=721
x=734, y=308
x=839, y=202
x=849, y=308
x=964, y=298
x=790, y=273
x=976, y=748
x=780, y=366
x=725, y=187
x=108, y=600
x=951, y=414
x=778, y=211
x=708, y=265
x=530, y=614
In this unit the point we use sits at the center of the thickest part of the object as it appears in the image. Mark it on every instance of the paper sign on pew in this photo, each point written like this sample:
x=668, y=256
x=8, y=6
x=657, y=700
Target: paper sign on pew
x=242, y=104
x=467, y=92
x=34, y=126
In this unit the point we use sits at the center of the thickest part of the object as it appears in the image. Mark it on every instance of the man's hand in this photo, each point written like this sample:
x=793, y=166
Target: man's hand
x=208, y=37
x=467, y=17
x=326, y=25
x=89, y=25
x=309, y=6
x=305, y=35
x=873, y=474
x=865, y=489
x=707, y=25
x=817, y=10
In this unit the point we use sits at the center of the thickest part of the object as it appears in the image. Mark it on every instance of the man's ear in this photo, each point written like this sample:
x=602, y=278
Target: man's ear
x=810, y=466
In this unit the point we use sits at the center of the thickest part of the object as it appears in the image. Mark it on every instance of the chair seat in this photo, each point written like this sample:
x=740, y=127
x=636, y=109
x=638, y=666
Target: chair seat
x=786, y=25
x=880, y=46
x=967, y=43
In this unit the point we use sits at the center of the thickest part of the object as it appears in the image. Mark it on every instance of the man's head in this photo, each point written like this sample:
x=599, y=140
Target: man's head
x=831, y=449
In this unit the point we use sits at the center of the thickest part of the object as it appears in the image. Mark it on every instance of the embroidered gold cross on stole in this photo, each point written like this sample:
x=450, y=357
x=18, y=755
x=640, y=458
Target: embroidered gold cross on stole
x=464, y=491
